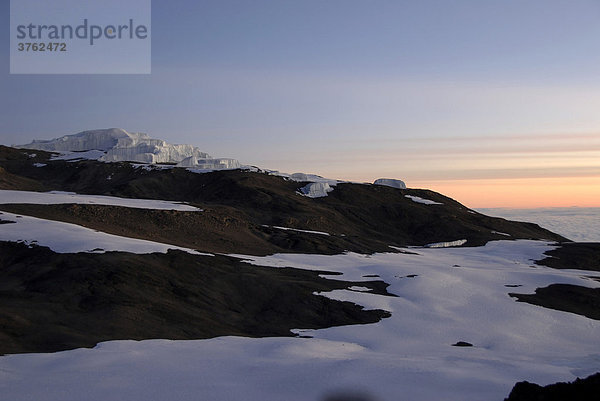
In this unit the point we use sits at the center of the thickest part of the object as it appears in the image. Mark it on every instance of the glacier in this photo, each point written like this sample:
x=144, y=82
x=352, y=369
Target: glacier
x=209, y=163
x=118, y=145
x=390, y=182
x=102, y=139
x=316, y=189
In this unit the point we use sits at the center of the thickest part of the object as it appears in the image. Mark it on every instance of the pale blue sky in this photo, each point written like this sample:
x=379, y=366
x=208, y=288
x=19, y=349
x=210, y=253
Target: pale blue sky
x=419, y=90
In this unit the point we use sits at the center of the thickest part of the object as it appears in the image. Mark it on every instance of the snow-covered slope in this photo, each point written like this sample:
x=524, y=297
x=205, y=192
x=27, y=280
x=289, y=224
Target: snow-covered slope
x=443, y=296
x=120, y=145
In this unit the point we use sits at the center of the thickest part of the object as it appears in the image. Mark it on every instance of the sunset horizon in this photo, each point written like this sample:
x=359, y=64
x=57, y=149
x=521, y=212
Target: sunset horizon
x=300, y=200
x=493, y=104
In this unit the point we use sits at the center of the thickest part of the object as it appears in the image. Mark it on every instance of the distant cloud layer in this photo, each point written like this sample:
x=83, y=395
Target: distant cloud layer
x=577, y=224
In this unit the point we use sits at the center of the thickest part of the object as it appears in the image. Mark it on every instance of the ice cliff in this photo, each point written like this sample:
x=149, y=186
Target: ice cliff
x=120, y=145
x=390, y=182
x=316, y=189
x=103, y=139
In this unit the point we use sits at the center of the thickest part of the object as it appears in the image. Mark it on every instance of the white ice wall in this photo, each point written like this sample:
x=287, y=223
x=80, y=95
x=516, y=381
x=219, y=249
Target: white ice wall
x=103, y=139
x=121, y=145
x=390, y=182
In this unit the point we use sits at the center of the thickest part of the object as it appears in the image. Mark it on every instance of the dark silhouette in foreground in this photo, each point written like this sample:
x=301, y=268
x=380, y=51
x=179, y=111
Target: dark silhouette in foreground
x=586, y=389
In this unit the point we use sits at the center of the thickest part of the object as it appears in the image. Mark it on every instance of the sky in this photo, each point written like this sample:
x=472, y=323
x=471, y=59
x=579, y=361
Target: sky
x=494, y=103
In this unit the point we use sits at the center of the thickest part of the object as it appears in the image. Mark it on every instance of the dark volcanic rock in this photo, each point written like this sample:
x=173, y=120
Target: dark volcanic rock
x=52, y=302
x=566, y=297
x=462, y=344
x=586, y=389
x=239, y=204
x=216, y=229
x=574, y=255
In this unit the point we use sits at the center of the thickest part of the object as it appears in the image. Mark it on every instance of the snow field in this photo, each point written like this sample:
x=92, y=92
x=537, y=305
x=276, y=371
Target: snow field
x=443, y=295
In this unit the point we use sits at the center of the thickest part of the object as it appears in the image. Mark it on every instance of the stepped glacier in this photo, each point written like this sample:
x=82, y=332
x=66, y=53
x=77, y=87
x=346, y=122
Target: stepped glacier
x=116, y=145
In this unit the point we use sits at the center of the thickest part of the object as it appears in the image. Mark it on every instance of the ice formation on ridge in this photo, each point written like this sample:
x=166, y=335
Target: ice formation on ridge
x=103, y=139
x=116, y=145
x=208, y=163
x=120, y=145
x=390, y=182
x=316, y=189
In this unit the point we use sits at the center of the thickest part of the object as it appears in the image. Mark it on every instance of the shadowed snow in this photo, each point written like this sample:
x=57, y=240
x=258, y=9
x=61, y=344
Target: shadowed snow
x=452, y=295
x=448, y=244
x=298, y=230
x=421, y=200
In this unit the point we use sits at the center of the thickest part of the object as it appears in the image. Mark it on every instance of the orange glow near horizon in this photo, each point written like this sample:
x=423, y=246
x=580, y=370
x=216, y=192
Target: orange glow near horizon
x=514, y=171
x=520, y=192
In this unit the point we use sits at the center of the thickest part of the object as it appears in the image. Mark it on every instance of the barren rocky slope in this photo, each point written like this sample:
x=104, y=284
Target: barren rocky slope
x=243, y=212
x=52, y=302
x=241, y=208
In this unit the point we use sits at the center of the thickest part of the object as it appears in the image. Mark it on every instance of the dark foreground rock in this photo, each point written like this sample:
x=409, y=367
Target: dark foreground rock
x=587, y=389
x=574, y=255
x=566, y=297
x=52, y=302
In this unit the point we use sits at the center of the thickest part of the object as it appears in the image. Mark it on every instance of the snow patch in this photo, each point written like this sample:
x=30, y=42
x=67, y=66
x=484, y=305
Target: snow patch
x=447, y=244
x=421, y=200
x=59, y=197
x=359, y=288
x=39, y=164
x=298, y=230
